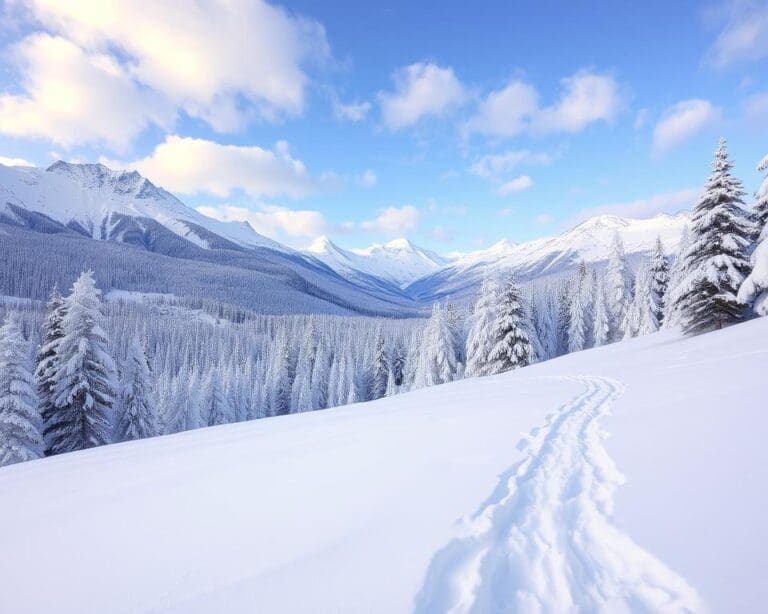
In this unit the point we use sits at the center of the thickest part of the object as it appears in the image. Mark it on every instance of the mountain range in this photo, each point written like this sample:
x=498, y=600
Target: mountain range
x=56, y=221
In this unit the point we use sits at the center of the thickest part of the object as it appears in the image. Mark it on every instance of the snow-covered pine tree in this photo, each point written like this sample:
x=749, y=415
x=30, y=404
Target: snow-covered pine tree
x=511, y=345
x=659, y=281
x=672, y=316
x=578, y=316
x=397, y=364
x=647, y=301
x=754, y=290
x=280, y=376
x=20, y=422
x=480, y=337
x=215, y=406
x=46, y=356
x=138, y=419
x=380, y=368
x=437, y=360
x=84, y=377
x=546, y=326
x=563, y=318
x=601, y=329
x=618, y=287
x=320, y=377
x=717, y=262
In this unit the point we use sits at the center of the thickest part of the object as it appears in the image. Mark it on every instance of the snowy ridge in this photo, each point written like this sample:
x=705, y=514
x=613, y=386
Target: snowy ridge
x=92, y=198
x=545, y=542
x=589, y=241
x=398, y=261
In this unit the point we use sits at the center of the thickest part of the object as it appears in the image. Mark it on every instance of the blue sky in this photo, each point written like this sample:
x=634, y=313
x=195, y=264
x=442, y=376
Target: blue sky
x=455, y=125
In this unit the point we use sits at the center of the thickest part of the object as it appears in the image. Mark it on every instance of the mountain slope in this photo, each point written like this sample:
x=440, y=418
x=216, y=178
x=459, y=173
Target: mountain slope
x=401, y=493
x=399, y=261
x=94, y=200
x=590, y=241
x=136, y=236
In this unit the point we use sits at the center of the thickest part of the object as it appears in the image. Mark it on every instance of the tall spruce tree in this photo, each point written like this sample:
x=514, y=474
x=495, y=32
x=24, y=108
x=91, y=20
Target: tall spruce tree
x=20, y=422
x=437, y=360
x=618, y=287
x=579, y=311
x=46, y=356
x=480, y=337
x=672, y=315
x=754, y=291
x=659, y=281
x=138, y=418
x=601, y=325
x=511, y=344
x=84, y=378
x=717, y=261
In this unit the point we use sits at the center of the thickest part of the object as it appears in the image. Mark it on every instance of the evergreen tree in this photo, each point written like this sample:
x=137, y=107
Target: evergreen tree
x=84, y=377
x=320, y=378
x=601, y=319
x=480, y=338
x=659, y=282
x=46, y=356
x=579, y=314
x=512, y=346
x=717, y=261
x=437, y=360
x=397, y=366
x=754, y=290
x=618, y=287
x=546, y=327
x=215, y=408
x=672, y=315
x=137, y=419
x=20, y=422
x=563, y=318
x=380, y=369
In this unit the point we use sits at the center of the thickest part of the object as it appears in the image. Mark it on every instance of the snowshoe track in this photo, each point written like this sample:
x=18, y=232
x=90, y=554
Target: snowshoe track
x=544, y=541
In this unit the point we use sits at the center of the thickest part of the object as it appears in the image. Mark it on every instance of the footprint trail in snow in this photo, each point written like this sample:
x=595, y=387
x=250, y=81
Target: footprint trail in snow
x=544, y=540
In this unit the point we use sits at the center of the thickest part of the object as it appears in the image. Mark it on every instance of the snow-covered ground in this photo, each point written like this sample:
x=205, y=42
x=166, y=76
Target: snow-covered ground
x=494, y=494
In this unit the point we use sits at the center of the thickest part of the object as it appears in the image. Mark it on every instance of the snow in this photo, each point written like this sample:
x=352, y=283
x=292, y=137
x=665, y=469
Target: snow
x=90, y=193
x=628, y=475
x=398, y=261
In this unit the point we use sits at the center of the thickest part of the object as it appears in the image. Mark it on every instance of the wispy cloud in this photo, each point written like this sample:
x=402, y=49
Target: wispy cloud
x=682, y=121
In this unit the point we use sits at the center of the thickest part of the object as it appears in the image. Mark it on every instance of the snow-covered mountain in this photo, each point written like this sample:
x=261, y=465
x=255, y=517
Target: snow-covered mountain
x=589, y=241
x=112, y=205
x=399, y=261
x=71, y=217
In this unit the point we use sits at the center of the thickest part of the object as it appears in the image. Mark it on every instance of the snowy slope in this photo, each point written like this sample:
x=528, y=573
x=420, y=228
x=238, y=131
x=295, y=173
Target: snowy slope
x=398, y=261
x=497, y=494
x=589, y=241
x=91, y=198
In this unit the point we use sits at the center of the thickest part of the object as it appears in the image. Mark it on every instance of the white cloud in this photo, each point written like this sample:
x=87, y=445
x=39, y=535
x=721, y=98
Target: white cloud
x=73, y=97
x=5, y=161
x=367, y=179
x=743, y=35
x=353, y=112
x=494, y=165
x=667, y=202
x=544, y=218
x=393, y=220
x=191, y=166
x=518, y=184
x=421, y=90
x=506, y=112
x=114, y=67
x=271, y=220
x=586, y=97
x=682, y=121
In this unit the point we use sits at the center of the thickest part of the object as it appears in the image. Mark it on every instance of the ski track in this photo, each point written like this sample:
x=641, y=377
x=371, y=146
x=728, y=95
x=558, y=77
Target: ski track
x=544, y=541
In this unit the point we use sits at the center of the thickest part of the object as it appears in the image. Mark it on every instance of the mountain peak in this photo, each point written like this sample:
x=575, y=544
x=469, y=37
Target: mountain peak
x=322, y=245
x=401, y=243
